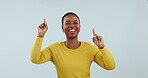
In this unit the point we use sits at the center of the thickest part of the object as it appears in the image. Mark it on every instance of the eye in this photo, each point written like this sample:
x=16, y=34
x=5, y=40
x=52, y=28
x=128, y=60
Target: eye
x=67, y=23
x=75, y=22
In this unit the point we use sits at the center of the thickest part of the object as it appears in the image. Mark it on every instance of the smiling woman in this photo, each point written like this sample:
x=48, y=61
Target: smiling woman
x=72, y=57
x=71, y=27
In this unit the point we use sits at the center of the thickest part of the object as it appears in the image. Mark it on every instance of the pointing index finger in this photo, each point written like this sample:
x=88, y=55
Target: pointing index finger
x=93, y=31
x=44, y=21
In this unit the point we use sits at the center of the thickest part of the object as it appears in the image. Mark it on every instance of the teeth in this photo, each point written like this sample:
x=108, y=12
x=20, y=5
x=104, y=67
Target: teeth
x=72, y=30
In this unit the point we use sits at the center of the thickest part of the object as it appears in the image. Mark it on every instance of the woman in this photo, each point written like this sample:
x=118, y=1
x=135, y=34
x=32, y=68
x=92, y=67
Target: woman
x=72, y=58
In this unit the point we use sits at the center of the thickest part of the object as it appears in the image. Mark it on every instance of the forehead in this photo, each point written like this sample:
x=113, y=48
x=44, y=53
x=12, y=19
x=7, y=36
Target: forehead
x=70, y=17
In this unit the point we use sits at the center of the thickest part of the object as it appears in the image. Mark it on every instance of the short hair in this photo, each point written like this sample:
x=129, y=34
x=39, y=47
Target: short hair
x=68, y=14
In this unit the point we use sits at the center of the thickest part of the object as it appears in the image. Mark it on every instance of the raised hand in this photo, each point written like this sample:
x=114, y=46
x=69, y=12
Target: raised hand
x=42, y=29
x=98, y=40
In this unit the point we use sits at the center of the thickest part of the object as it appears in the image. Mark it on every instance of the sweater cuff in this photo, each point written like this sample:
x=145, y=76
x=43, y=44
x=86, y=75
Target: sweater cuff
x=39, y=39
x=104, y=50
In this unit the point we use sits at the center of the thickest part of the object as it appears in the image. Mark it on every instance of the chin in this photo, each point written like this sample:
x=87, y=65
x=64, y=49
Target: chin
x=72, y=37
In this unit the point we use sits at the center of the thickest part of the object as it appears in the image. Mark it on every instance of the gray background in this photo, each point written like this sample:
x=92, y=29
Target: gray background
x=122, y=23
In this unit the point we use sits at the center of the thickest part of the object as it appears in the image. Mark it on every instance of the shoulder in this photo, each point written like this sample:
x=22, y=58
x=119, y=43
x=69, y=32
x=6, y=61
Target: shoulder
x=89, y=47
x=56, y=44
x=88, y=44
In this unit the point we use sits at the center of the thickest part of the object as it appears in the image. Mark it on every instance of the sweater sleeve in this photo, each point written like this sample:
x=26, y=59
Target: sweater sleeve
x=105, y=59
x=39, y=56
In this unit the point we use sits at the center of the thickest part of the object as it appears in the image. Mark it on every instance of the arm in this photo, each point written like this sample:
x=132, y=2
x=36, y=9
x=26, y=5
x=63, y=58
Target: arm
x=39, y=56
x=103, y=57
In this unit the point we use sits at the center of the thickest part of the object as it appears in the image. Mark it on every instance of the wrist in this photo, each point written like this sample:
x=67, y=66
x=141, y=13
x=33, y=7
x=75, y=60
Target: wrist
x=40, y=35
x=101, y=46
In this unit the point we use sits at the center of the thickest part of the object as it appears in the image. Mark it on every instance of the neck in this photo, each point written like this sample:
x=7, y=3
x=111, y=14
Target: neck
x=72, y=43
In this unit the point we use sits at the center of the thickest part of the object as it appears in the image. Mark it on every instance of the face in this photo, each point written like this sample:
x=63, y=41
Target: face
x=71, y=26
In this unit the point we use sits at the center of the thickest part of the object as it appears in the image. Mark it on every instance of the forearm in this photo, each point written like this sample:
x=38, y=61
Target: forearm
x=107, y=58
x=36, y=51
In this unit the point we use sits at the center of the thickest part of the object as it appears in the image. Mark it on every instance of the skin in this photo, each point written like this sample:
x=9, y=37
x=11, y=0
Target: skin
x=98, y=40
x=71, y=22
x=42, y=29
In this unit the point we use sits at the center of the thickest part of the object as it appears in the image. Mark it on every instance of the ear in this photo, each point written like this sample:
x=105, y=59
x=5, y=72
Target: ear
x=62, y=28
x=80, y=27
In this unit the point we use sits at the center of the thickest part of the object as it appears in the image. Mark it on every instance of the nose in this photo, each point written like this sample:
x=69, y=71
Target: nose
x=71, y=26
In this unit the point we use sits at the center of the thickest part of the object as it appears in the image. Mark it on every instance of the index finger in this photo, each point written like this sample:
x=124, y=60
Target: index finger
x=93, y=31
x=45, y=22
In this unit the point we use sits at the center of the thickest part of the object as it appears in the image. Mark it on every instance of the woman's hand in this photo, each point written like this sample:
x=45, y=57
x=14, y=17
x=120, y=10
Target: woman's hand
x=98, y=40
x=42, y=29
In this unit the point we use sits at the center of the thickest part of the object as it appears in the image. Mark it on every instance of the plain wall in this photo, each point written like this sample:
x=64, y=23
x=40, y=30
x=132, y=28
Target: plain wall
x=122, y=23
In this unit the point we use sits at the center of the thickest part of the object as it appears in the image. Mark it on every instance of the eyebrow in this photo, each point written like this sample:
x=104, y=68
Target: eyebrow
x=70, y=21
x=67, y=21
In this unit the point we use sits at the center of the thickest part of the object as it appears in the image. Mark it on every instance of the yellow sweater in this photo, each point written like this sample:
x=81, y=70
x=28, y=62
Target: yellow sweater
x=71, y=63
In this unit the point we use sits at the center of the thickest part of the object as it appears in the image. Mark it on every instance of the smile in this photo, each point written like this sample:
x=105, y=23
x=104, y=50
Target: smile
x=72, y=31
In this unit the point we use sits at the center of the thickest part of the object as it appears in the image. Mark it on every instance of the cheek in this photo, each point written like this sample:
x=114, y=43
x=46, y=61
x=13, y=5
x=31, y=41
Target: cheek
x=79, y=28
x=64, y=28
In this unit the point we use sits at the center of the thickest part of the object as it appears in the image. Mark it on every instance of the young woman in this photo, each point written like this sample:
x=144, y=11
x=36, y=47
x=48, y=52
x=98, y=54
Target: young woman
x=72, y=58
